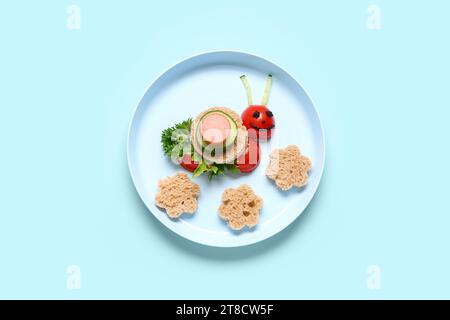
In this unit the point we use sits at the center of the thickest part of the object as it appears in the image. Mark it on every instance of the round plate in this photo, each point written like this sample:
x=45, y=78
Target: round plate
x=212, y=79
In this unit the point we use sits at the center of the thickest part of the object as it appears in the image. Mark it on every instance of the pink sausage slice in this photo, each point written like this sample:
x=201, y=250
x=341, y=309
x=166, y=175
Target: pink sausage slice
x=215, y=128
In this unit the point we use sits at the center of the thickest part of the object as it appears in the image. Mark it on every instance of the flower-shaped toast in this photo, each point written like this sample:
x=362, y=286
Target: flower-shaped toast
x=288, y=167
x=178, y=195
x=240, y=207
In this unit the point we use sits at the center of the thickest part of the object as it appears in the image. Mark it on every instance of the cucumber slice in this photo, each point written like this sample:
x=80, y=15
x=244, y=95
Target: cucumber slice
x=265, y=98
x=233, y=127
x=248, y=89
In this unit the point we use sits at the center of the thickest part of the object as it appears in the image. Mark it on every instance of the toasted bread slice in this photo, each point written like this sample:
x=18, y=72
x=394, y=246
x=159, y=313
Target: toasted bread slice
x=240, y=207
x=288, y=168
x=177, y=195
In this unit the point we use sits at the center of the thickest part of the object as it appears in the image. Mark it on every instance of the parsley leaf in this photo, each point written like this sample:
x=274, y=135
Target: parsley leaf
x=175, y=136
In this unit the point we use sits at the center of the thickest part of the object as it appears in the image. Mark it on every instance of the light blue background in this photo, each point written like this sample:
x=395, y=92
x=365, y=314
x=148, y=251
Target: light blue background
x=66, y=196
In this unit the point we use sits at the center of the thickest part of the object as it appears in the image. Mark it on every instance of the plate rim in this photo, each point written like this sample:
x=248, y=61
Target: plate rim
x=269, y=234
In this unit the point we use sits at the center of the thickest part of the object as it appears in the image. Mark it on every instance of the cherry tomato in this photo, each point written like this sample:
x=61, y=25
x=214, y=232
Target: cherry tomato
x=188, y=163
x=248, y=161
x=259, y=118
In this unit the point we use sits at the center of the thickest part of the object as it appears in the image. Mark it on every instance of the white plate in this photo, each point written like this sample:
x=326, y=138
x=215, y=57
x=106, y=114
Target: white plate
x=212, y=79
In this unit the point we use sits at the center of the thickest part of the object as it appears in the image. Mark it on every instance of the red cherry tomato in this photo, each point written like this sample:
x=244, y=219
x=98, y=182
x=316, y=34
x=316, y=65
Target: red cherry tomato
x=248, y=161
x=259, y=118
x=188, y=163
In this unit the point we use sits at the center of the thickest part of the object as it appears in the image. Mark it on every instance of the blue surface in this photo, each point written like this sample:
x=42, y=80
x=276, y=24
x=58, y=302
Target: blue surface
x=67, y=199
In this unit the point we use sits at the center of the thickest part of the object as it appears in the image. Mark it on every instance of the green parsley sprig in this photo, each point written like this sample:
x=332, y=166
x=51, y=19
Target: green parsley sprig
x=175, y=136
